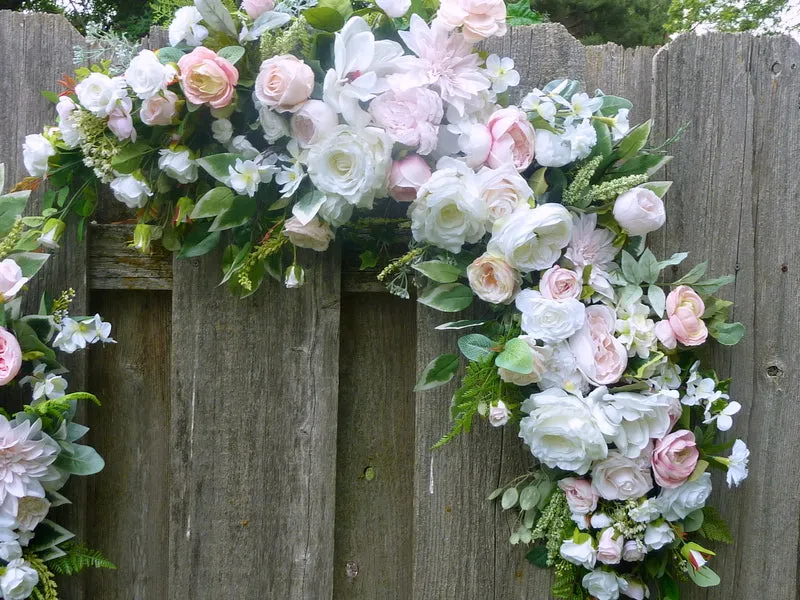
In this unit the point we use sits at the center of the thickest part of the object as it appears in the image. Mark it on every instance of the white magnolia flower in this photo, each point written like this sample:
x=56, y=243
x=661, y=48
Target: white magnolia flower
x=658, y=536
x=501, y=73
x=247, y=175
x=603, y=585
x=532, y=238
x=582, y=554
x=549, y=320
x=101, y=94
x=178, y=165
x=185, y=27
x=677, y=503
x=561, y=432
x=289, y=178
x=36, y=150
x=76, y=335
x=448, y=211
x=737, y=463
x=45, y=385
x=581, y=137
x=222, y=130
x=146, y=76
x=18, y=581
x=131, y=191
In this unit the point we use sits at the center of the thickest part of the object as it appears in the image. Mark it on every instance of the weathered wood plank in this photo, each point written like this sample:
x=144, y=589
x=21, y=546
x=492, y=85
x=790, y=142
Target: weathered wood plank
x=115, y=265
x=626, y=72
x=130, y=497
x=254, y=403
x=375, y=449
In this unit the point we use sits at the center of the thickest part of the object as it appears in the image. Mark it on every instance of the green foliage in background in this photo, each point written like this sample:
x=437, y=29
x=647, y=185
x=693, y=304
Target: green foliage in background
x=746, y=15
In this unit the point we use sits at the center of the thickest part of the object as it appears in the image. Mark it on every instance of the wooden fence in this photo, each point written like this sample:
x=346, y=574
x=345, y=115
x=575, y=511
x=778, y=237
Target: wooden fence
x=272, y=448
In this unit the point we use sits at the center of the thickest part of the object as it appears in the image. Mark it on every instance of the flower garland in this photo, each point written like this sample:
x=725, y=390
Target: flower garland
x=273, y=127
x=39, y=443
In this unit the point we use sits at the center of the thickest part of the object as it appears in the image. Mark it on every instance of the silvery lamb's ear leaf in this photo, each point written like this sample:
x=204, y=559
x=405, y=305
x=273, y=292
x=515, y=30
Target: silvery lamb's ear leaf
x=216, y=16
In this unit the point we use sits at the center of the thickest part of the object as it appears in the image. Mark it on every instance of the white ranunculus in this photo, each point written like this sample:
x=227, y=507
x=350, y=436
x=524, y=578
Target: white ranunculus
x=178, y=165
x=131, y=191
x=656, y=536
x=146, y=76
x=582, y=554
x=222, y=130
x=603, y=585
x=677, y=503
x=549, y=320
x=640, y=211
x=645, y=512
x=101, y=94
x=186, y=27
x=633, y=588
x=531, y=239
x=31, y=511
x=448, y=211
x=312, y=122
x=551, y=149
x=499, y=414
x=621, y=478
x=561, y=432
x=503, y=190
x=36, y=150
x=600, y=520
x=351, y=163
x=18, y=581
x=274, y=126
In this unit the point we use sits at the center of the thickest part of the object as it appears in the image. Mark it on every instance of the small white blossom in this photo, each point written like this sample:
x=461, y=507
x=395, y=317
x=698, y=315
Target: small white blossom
x=222, y=130
x=76, y=335
x=247, y=175
x=539, y=102
x=45, y=385
x=290, y=178
x=737, y=463
x=584, y=107
x=621, y=127
x=501, y=73
x=724, y=417
x=581, y=137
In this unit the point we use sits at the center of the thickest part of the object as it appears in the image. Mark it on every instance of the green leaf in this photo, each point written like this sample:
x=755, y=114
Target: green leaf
x=630, y=268
x=669, y=589
x=516, y=356
x=642, y=164
x=324, y=18
x=308, y=206
x=216, y=16
x=42, y=325
x=169, y=54
x=716, y=306
x=463, y=324
x=519, y=14
x=704, y=577
x=475, y=346
x=11, y=207
x=709, y=286
x=49, y=534
x=199, y=241
x=438, y=372
x=693, y=521
x=80, y=460
x=439, y=271
x=657, y=299
x=529, y=497
x=130, y=157
x=693, y=275
x=448, y=297
x=50, y=97
x=613, y=104
x=495, y=494
x=343, y=7
x=369, y=259
x=538, y=556
x=714, y=527
x=213, y=203
x=635, y=140
x=603, y=147
x=231, y=53
x=648, y=267
x=510, y=498
x=217, y=165
x=30, y=262
x=659, y=188
x=30, y=342
x=242, y=211
x=727, y=334
x=675, y=259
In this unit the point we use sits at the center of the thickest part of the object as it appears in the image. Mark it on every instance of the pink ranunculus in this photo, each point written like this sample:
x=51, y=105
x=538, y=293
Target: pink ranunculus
x=120, y=122
x=284, y=83
x=513, y=139
x=207, y=78
x=493, y=279
x=407, y=176
x=256, y=8
x=665, y=335
x=558, y=283
x=609, y=547
x=410, y=117
x=674, y=458
x=160, y=109
x=581, y=497
x=478, y=19
x=312, y=121
x=10, y=356
x=685, y=311
x=599, y=355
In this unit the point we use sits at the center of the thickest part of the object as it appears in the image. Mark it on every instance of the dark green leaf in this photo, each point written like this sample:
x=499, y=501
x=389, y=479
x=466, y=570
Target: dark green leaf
x=199, y=241
x=538, y=556
x=438, y=372
x=323, y=18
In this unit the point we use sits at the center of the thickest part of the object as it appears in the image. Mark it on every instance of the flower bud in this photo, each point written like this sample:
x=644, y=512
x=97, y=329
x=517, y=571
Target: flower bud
x=142, y=237
x=295, y=276
x=183, y=209
x=51, y=233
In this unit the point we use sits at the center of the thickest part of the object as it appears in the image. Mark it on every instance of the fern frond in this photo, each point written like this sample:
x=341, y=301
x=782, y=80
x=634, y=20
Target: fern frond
x=77, y=558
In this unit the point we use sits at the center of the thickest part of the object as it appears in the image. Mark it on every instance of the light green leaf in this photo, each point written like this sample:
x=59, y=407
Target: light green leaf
x=242, y=211
x=675, y=259
x=232, y=54
x=516, y=356
x=439, y=271
x=214, y=202
x=475, y=346
x=308, y=206
x=130, y=157
x=324, y=18
x=704, y=577
x=635, y=140
x=82, y=460
x=630, y=268
x=30, y=262
x=613, y=104
x=438, y=372
x=529, y=497
x=728, y=334
x=495, y=494
x=217, y=165
x=709, y=286
x=463, y=324
x=657, y=299
x=268, y=21
x=216, y=16
x=648, y=267
x=659, y=188
x=629, y=295
x=693, y=275
x=716, y=306
x=448, y=297
x=169, y=55
x=343, y=7
x=510, y=498
x=11, y=207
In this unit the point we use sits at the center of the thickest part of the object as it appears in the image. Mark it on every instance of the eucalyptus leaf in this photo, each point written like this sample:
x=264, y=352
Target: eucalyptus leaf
x=510, y=498
x=728, y=334
x=169, y=54
x=232, y=54
x=475, y=346
x=216, y=16
x=83, y=460
x=693, y=275
x=516, y=356
x=529, y=497
x=448, y=297
x=630, y=268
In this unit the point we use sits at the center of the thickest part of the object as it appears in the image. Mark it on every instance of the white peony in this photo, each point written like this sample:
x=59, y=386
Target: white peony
x=186, y=27
x=101, y=94
x=531, y=239
x=561, y=432
x=677, y=503
x=549, y=320
x=552, y=150
x=582, y=554
x=178, y=165
x=146, y=76
x=448, y=211
x=131, y=191
x=603, y=585
x=503, y=190
x=18, y=581
x=351, y=163
x=36, y=150
x=621, y=478
x=658, y=536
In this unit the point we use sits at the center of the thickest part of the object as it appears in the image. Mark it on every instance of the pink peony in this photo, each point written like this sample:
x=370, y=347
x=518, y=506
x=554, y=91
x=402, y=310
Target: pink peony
x=207, y=78
x=599, y=355
x=478, y=19
x=685, y=311
x=640, y=211
x=10, y=356
x=284, y=83
x=665, y=335
x=256, y=8
x=581, y=497
x=160, y=109
x=410, y=117
x=558, y=283
x=407, y=176
x=674, y=458
x=513, y=139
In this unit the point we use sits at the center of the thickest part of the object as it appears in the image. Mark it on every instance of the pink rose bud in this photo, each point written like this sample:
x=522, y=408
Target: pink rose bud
x=160, y=109
x=581, y=497
x=10, y=356
x=513, y=139
x=11, y=279
x=312, y=121
x=665, y=335
x=640, y=211
x=685, y=310
x=256, y=8
x=407, y=176
x=558, y=283
x=207, y=78
x=633, y=551
x=609, y=547
x=284, y=83
x=674, y=458
x=499, y=414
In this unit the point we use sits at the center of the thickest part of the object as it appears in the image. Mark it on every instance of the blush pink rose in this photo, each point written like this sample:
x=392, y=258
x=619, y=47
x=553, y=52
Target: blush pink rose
x=159, y=109
x=665, y=335
x=407, y=176
x=558, y=283
x=10, y=356
x=410, y=117
x=207, y=78
x=674, y=458
x=609, y=547
x=493, y=279
x=120, y=122
x=316, y=234
x=513, y=139
x=284, y=83
x=11, y=279
x=311, y=121
x=599, y=355
x=685, y=310
x=479, y=19
x=256, y=8
x=581, y=497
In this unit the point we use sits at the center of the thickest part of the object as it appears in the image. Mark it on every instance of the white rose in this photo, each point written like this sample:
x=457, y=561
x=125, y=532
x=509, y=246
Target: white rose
x=36, y=150
x=448, y=212
x=100, y=94
x=633, y=551
x=503, y=190
x=633, y=588
x=531, y=239
x=131, y=191
x=11, y=279
x=394, y=8
x=160, y=109
x=31, y=511
x=178, y=165
x=549, y=320
x=493, y=279
x=314, y=119
x=658, y=536
x=315, y=234
x=351, y=163
x=10, y=550
x=70, y=134
x=621, y=478
x=640, y=211
x=18, y=581
x=561, y=432
x=541, y=356
x=186, y=27
x=551, y=149
x=222, y=130
x=274, y=126
x=603, y=585
x=600, y=520
x=582, y=554
x=677, y=503
x=609, y=547
x=499, y=414
x=146, y=76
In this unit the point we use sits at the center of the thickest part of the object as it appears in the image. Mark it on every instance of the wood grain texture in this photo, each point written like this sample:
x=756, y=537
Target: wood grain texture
x=254, y=403
x=130, y=497
x=375, y=449
x=115, y=265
